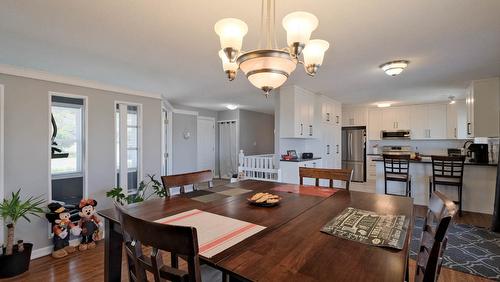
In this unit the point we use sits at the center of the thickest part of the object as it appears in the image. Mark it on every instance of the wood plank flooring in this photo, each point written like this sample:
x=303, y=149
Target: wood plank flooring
x=89, y=265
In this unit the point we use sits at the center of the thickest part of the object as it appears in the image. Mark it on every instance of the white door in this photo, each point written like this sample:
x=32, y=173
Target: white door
x=1, y=158
x=206, y=143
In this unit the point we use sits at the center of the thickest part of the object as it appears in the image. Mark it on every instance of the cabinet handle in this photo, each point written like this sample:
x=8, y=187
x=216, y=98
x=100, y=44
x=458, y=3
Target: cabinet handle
x=328, y=149
x=468, y=128
x=397, y=124
x=455, y=132
x=429, y=133
x=301, y=129
x=337, y=148
x=310, y=130
x=338, y=119
x=327, y=116
x=394, y=124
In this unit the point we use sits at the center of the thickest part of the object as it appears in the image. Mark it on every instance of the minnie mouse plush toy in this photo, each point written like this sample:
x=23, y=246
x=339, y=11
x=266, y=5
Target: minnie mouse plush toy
x=90, y=224
x=59, y=216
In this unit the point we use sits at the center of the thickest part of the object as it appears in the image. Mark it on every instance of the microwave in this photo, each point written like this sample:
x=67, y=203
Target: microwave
x=395, y=134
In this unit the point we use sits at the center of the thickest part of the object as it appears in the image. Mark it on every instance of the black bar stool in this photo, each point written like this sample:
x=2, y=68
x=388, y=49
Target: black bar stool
x=448, y=171
x=397, y=168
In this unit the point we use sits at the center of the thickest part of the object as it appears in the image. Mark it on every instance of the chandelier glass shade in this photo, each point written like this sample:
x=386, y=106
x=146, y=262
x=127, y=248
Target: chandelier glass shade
x=268, y=68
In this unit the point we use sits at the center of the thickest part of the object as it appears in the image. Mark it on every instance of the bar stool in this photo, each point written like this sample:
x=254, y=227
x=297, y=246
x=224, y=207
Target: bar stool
x=448, y=171
x=397, y=168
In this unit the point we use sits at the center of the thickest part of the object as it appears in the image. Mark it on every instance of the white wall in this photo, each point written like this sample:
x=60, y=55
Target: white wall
x=27, y=143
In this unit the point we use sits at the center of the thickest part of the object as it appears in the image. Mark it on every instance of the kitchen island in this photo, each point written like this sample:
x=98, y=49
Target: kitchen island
x=478, y=192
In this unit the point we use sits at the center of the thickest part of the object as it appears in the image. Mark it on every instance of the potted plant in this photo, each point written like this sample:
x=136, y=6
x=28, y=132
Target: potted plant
x=15, y=259
x=143, y=192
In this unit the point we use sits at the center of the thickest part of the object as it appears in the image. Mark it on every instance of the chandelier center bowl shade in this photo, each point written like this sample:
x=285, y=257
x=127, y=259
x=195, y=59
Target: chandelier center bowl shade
x=268, y=68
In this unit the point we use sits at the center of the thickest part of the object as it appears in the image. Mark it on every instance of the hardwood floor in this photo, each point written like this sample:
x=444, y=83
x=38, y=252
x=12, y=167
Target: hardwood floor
x=88, y=265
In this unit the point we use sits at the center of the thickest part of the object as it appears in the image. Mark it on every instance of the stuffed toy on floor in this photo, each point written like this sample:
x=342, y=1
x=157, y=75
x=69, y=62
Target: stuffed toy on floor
x=90, y=224
x=59, y=217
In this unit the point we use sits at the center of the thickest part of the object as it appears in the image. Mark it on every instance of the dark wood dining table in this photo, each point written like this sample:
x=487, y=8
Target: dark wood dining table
x=291, y=248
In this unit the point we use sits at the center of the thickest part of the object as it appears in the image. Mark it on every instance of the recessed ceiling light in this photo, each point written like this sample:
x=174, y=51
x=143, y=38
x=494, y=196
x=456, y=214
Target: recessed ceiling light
x=383, y=105
x=231, y=107
x=395, y=67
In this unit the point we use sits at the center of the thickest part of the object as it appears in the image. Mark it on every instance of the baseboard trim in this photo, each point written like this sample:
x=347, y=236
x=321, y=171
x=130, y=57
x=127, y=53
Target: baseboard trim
x=38, y=253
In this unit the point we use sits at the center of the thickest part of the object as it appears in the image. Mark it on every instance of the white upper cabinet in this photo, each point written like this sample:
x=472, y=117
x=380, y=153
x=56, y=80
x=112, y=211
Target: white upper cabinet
x=397, y=118
x=483, y=108
x=297, y=113
x=456, y=122
x=374, y=123
x=428, y=121
x=330, y=111
x=354, y=116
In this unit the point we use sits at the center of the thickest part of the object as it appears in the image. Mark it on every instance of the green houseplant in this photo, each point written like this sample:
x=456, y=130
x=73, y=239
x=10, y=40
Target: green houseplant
x=143, y=192
x=15, y=259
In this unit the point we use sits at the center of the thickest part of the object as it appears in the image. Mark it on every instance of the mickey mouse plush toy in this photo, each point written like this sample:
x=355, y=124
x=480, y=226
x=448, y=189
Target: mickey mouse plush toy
x=89, y=223
x=59, y=216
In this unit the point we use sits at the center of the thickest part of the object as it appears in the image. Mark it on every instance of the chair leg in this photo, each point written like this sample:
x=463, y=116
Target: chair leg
x=430, y=187
x=460, y=201
x=409, y=188
x=385, y=186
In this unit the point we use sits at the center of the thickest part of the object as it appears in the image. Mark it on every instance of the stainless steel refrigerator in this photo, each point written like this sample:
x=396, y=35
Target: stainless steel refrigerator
x=354, y=151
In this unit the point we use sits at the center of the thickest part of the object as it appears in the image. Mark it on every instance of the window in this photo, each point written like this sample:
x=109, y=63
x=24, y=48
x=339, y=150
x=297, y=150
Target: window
x=67, y=149
x=68, y=117
x=127, y=124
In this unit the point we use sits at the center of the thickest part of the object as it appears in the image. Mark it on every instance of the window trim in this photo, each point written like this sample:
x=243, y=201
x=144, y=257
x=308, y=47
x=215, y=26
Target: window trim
x=139, y=144
x=85, y=122
x=2, y=163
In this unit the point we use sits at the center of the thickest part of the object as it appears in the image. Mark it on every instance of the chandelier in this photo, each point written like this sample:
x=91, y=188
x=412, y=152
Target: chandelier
x=268, y=67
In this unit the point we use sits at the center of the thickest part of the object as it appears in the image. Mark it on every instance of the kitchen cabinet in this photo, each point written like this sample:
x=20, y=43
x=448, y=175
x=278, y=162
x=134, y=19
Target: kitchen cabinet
x=371, y=167
x=353, y=116
x=456, y=121
x=330, y=142
x=397, y=118
x=483, y=108
x=290, y=170
x=374, y=124
x=428, y=121
x=297, y=113
x=330, y=111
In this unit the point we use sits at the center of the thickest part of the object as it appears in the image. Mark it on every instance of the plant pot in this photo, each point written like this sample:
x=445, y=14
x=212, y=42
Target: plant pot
x=17, y=263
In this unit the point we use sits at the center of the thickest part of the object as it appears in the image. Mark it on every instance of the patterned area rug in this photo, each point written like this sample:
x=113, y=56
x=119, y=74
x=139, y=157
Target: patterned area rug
x=470, y=249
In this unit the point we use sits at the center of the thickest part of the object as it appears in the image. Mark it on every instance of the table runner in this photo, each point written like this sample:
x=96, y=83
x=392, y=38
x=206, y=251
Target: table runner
x=215, y=232
x=306, y=190
x=369, y=228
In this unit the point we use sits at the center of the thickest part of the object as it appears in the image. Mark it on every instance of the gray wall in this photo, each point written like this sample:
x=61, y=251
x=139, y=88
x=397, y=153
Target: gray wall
x=185, y=152
x=256, y=133
x=27, y=142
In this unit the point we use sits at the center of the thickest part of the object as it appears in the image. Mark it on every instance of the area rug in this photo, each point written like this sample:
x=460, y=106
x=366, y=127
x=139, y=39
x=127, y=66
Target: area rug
x=470, y=249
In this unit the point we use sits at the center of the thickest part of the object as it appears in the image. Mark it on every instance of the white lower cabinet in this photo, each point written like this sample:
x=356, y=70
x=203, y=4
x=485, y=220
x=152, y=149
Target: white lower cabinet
x=290, y=170
x=371, y=168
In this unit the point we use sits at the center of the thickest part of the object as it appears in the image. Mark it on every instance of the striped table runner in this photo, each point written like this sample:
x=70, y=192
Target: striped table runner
x=215, y=232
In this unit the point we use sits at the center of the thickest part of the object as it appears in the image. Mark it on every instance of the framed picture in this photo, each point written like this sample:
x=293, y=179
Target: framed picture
x=292, y=153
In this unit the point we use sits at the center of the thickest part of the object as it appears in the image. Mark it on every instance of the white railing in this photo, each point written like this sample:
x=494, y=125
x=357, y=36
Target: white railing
x=259, y=167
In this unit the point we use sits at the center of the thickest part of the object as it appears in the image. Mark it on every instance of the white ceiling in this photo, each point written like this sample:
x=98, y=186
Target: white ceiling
x=170, y=46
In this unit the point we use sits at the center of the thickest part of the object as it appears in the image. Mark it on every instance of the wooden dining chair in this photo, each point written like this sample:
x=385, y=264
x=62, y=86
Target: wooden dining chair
x=191, y=178
x=433, y=241
x=397, y=168
x=448, y=171
x=178, y=240
x=327, y=174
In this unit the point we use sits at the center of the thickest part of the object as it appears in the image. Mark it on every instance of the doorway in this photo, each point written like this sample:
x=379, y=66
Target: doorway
x=206, y=143
x=228, y=148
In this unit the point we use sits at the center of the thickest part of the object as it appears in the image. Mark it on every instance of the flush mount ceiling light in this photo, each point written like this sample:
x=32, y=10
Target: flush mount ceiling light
x=231, y=107
x=395, y=67
x=383, y=105
x=452, y=100
x=268, y=67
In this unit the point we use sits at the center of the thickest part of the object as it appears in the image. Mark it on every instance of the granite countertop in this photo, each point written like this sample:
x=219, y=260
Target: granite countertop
x=300, y=160
x=428, y=161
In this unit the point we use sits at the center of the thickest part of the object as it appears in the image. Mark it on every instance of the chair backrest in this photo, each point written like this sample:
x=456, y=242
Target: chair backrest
x=326, y=173
x=191, y=178
x=433, y=241
x=448, y=167
x=178, y=240
x=396, y=164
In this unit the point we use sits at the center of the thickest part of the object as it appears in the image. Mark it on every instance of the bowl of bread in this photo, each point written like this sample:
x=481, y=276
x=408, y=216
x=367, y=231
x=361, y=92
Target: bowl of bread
x=264, y=200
